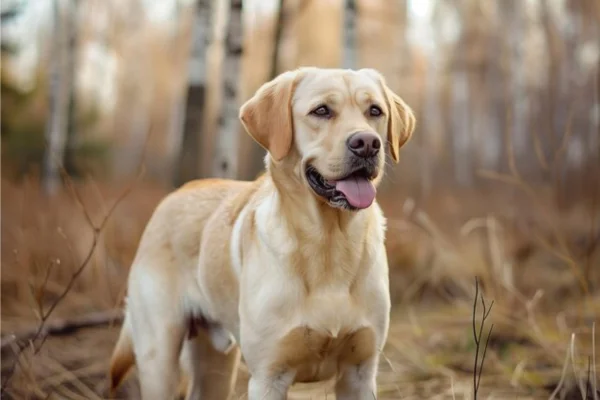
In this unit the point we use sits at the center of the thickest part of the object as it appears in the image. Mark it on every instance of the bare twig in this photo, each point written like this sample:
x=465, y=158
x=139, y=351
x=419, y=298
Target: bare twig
x=562, y=375
x=477, y=335
x=539, y=151
x=38, y=338
x=594, y=372
x=588, y=383
x=515, y=178
x=563, y=251
x=578, y=380
x=594, y=233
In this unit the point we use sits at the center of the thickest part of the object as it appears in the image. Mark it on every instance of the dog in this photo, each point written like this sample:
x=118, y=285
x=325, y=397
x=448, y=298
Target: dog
x=289, y=270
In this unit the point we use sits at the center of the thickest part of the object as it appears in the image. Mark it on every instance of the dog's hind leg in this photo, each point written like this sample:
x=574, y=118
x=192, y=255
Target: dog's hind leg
x=212, y=373
x=158, y=327
x=157, y=358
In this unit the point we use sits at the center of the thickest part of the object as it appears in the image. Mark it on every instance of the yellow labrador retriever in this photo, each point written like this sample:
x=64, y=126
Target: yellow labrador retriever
x=290, y=268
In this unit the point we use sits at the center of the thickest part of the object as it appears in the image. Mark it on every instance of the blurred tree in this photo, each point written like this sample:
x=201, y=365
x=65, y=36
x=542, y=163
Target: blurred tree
x=514, y=15
x=460, y=97
x=226, y=149
x=433, y=125
x=8, y=48
x=279, y=24
x=59, y=94
x=7, y=15
x=318, y=33
x=72, y=69
x=490, y=117
x=137, y=87
x=190, y=165
x=349, y=26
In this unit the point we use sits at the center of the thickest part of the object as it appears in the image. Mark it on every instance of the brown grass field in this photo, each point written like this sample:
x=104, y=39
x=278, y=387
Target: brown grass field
x=539, y=265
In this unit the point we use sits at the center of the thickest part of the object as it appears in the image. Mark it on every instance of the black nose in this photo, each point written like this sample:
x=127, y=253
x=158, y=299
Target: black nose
x=364, y=144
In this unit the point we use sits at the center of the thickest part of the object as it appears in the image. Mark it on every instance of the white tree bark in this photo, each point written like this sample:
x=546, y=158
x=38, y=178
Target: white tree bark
x=520, y=103
x=201, y=35
x=60, y=90
x=460, y=106
x=190, y=123
x=280, y=23
x=226, y=151
x=349, y=26
x=137, y=95
x=72, y=70
x=433, y=124
x=461, y=127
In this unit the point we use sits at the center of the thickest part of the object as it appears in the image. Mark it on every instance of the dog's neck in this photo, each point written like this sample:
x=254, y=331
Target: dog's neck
x=318, y=224
x=294, y=194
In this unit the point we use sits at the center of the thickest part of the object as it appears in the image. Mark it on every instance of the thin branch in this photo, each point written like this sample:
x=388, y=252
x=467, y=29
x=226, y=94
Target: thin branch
x=512, y=164
x=478, y=368
x=575, y=372
x=40, y=334
x=564, y=140
x=62, y=326
x=588, y=384
x=562, y=252
x=562, y=375
x=474, y=313
x=281, y=16
x=594, y=372
x=539, y=151
x=487, y=341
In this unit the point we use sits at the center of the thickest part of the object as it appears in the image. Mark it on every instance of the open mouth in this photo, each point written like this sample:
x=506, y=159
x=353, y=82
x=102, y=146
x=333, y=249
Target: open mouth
x=354, y=191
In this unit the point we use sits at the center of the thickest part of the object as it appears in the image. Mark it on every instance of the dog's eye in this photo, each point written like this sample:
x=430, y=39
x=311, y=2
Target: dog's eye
x=322, y=111
x=375, y=111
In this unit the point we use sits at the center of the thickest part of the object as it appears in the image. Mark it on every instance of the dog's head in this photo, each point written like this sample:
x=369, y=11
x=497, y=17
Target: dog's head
x=333, y=125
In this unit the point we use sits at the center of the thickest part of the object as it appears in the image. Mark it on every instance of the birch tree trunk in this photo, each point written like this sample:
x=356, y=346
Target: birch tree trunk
x=137, y=91
x=493, y=118
x=250, y=154
x=460, y=122
x=72, y=26
x=59, y=91
x=226, y=151
x=349, y=34
x=432, y=124
x=461, y=134
x=318, y=33
x=514, y=18
x=191, y=149
x=280, y=23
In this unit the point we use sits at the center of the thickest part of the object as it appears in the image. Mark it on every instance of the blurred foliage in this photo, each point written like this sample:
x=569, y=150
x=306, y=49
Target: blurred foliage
x=21, y=132
x=6, y=16
x=23, y=127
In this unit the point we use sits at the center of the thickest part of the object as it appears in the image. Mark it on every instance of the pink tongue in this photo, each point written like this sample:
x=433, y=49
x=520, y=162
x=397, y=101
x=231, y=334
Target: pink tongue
x=359, y=192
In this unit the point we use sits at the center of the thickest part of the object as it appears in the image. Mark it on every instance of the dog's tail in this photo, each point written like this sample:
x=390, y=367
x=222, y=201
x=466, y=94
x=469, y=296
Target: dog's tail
x=123, y=357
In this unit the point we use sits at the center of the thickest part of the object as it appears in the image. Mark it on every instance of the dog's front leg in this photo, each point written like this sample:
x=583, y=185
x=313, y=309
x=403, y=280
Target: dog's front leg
x=270, y=386
x=358, y=382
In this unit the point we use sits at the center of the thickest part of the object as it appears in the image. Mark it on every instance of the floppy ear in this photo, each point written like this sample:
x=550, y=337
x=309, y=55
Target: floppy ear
x=401, y=122
x=267, y=116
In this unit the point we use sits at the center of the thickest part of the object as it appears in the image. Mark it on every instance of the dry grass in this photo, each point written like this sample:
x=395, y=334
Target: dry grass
x=531, y=270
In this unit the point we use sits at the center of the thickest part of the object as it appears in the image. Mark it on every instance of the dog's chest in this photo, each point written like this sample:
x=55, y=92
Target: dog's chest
x=316, y=355
x=326, y=260
x=331, y=330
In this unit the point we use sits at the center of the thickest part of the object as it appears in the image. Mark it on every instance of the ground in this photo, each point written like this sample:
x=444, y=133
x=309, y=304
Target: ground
x=539, y=268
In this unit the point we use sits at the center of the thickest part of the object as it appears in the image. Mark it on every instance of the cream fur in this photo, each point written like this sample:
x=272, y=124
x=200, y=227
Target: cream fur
x=301, y=286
